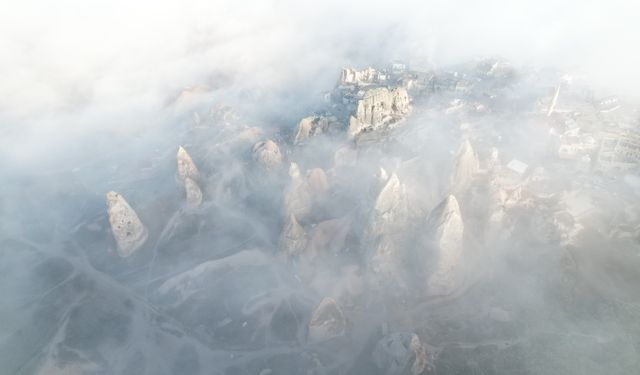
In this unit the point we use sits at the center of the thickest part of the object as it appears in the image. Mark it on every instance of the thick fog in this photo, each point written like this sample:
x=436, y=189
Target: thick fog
x=280, y=187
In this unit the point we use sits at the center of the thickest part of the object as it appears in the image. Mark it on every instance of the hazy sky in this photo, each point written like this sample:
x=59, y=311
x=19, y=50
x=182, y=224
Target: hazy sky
x=72, y=67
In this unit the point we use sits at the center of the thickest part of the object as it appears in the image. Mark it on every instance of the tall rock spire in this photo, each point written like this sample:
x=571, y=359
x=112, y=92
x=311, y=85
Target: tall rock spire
x=446, y=228
x=189, y=174
x=465, y=167
x=186, y=166
x=128, y=230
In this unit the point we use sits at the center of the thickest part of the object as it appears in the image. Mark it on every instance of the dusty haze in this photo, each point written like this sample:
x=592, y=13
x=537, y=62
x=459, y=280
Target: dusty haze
x=98, y=96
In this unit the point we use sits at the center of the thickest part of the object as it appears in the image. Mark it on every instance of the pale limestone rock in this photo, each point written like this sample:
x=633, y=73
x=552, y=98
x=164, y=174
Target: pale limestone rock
x=390, y=210
x=128, y=230
x=305, y=193
x=379, y=107
x=193, y=191
x=189, y=174
x=186, y=166
x=313, y=126
x=465, y=167
x=327, y=321
x=267, y=155
x=361, y=77
x=293, y=240
x=446, y=228
x=388, y=257
x=307, y=127
x=400, y=353
x=401, y=104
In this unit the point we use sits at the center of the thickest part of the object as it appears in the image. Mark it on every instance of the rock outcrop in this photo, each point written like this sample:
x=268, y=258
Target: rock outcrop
x=314, y=125
x=366, y=76
x=128, y=230
x=400, y=353
x=193, y=192
x=293, y=240
x=388, y=219
x=305, y=193
x=267, y=155
x=189, y=174
x=465, y=167
x=446, y=229
x=379, y=108
x=186, y=166
x=327, y=321
x=390, y=210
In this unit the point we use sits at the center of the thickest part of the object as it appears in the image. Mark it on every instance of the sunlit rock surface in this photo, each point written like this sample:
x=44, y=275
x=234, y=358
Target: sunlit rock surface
x=327, y=321
x=305, y=193
x=313, y=126
x=466, y=165
x=366, y=76
x=128, y=230
x=390, y=209
x=446, y=227
x=267, y=155
x=186, y=166
x=378, y=108
x=293, y=240
x=387, y=252
x=193, y=192
x=189, y=174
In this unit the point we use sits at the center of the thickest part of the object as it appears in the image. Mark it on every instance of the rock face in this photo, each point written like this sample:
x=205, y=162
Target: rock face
x=128, y=230
x=446, y=227
x=380, y=107
x=194, y=194
x=186, y=166
x=293, y=240
x=189, y=174
x=388, y=219
x=390, y=209
x=465, y=167
x=267, y=155
x=361, y=77
x=327, y=321
x=400, y=353
x=313, y=126
x=304, y=193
